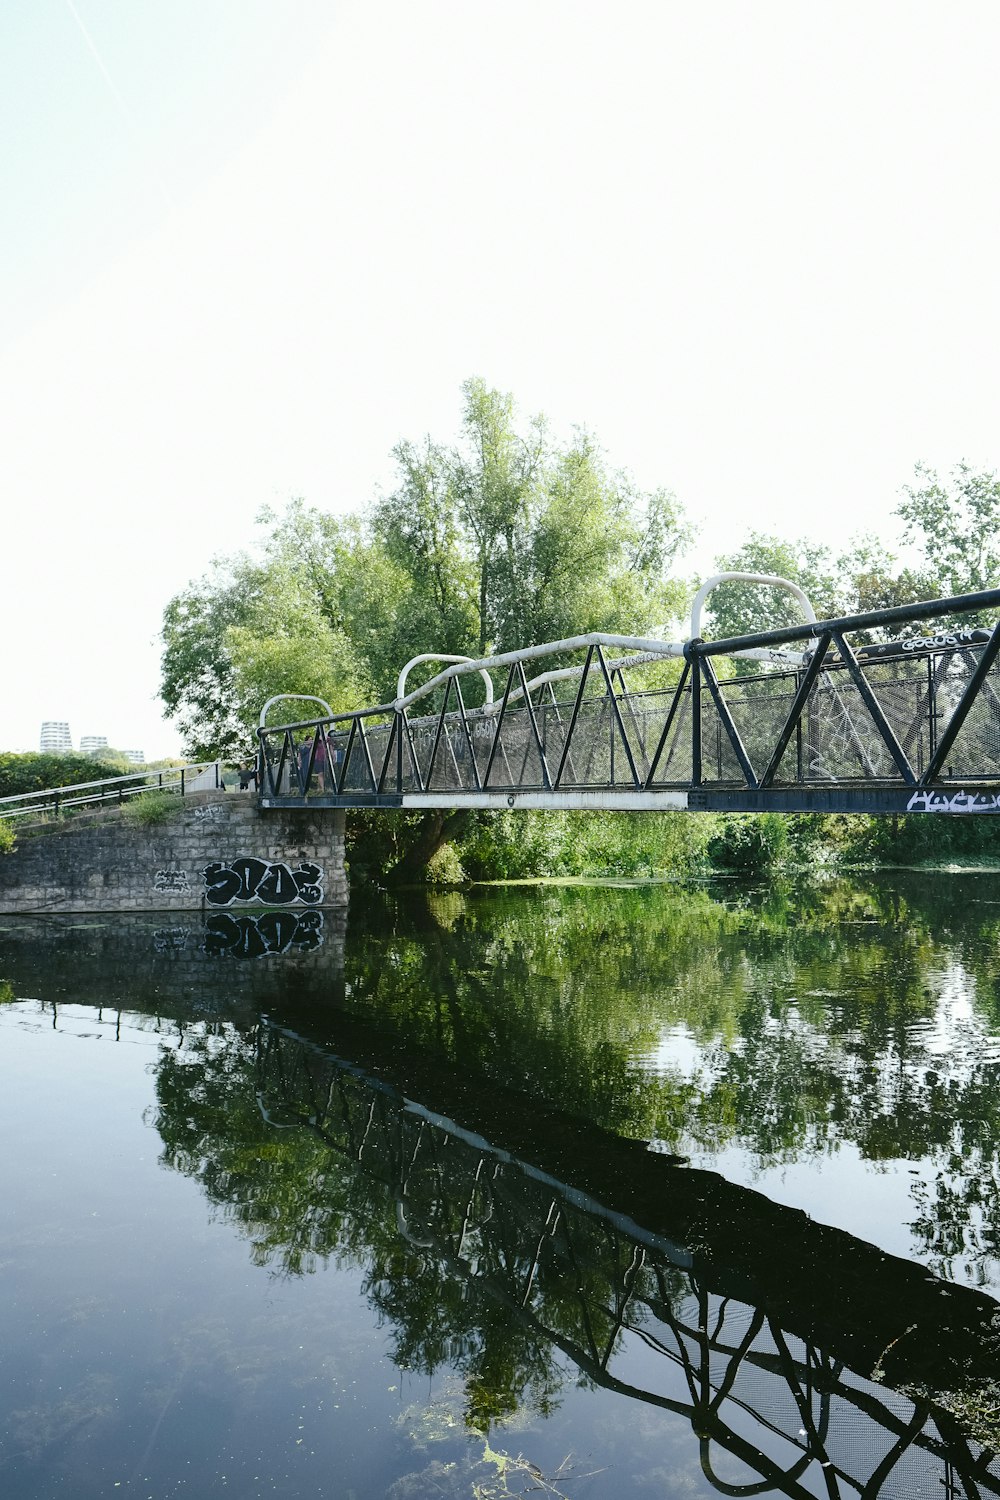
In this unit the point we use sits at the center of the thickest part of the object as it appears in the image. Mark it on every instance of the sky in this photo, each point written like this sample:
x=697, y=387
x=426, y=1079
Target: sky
x=247, y=248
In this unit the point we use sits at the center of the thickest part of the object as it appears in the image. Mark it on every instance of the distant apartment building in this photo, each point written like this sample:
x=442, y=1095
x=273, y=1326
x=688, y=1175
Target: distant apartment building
x=137, y=757
x=91, y=743
x=55, y=736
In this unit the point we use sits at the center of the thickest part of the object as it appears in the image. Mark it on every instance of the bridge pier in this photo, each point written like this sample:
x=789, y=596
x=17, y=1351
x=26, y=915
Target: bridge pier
x=215, y=851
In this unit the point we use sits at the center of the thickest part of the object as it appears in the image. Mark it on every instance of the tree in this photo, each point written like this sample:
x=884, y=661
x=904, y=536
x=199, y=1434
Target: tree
x=505, y=539
x=248, y=629
x=955, y=526
x=865, y=577
x=746, y=608
x=509, y=539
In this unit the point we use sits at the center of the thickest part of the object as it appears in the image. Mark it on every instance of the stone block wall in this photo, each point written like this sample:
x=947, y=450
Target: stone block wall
x=216, y=851
x=222, y=965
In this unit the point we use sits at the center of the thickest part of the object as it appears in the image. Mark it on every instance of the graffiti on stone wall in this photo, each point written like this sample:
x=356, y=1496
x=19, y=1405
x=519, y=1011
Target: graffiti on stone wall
x=210, y=814
x=171, y=882
x=169, y=939
x=246, y=878
x=255, y=937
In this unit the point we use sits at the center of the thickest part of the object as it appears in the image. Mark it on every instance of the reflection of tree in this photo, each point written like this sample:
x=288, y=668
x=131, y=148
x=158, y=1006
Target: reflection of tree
x=814, y=1011
x=811, y=1013
x=477, y=1263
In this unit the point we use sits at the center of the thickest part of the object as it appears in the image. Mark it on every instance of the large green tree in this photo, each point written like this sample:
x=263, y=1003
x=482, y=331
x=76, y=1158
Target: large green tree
x=253, y=627
x=502, y=539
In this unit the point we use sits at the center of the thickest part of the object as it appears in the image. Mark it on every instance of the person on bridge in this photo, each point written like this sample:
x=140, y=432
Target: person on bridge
x=319, y=764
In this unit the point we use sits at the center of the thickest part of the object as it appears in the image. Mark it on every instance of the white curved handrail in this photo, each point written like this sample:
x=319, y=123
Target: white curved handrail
x=638, y=649
x=304, y=697
x=765, y=578
x=440, y=656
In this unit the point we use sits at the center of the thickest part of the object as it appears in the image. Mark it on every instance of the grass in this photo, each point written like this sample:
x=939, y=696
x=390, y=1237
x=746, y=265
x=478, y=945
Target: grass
x=150, y=808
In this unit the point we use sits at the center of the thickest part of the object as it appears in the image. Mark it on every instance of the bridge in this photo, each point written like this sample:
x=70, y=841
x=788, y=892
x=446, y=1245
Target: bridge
x=894, y=710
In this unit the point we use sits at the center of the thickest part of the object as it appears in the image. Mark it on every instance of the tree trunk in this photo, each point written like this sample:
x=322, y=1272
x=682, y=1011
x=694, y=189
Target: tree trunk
x=437, y=828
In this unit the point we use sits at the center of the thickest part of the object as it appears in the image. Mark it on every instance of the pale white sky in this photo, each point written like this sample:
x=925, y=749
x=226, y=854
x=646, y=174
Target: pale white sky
x=247, y=247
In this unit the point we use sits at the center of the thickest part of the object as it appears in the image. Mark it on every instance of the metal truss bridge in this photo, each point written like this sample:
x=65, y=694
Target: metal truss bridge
x=896, y=710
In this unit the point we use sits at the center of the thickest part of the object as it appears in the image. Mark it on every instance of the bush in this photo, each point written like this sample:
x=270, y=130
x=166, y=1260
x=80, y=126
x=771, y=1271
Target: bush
x=519, y=845
x=750, y=843
x=8, y=838
x=35, y=772
x=150, y=808
x=923, y=838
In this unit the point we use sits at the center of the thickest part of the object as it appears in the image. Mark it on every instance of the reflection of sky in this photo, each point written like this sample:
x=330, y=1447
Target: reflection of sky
x=143, y=1351
x=826, y=1174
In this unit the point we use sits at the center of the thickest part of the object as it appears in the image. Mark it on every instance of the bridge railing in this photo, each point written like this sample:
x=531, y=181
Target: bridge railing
x=870, y=701
x=113, y=790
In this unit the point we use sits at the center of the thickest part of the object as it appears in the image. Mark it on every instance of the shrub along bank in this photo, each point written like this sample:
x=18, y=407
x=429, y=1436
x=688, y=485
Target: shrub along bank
x=527, y=845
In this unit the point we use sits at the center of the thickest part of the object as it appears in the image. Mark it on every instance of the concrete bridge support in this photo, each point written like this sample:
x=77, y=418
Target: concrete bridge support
x=215, y=851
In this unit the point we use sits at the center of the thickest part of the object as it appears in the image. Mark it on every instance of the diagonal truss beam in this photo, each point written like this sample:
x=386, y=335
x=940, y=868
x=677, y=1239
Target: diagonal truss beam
x=874, y=708
x=795, y=714
x=963, y=706
x=728, y=722
x=617, y=714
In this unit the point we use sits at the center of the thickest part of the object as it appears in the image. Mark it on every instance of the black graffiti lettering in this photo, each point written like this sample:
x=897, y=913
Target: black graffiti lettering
x=277, y=887
x=247, y=878
x=256, y=937
x=309, y=883
x=251, y=872
x=221, y=884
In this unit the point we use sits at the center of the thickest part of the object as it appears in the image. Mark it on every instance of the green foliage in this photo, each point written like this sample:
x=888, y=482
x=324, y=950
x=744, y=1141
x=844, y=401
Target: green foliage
x=249, y=629
x=36, y=772
x=955, y=525
x=750, y=843
x=520, y=845
x=867, y=576
x=504, y=539
x=8, y=836
x=150, y=808
x=917, y=838
x=744, y=608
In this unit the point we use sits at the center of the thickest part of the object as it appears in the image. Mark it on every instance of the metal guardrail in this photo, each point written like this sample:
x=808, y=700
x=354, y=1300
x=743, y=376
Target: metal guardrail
x=839, y=715
x=114, y=790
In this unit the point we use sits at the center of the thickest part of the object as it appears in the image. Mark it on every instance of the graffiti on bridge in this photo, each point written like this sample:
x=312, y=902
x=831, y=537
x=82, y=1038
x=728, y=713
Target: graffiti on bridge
x=247, y=878
x=955, y=802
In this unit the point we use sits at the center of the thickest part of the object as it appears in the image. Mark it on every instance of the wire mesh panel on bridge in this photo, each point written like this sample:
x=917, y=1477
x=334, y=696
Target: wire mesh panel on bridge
x=842, y=711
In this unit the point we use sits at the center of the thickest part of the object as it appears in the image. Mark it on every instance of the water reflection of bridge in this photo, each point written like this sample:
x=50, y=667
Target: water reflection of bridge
x=773, y=1402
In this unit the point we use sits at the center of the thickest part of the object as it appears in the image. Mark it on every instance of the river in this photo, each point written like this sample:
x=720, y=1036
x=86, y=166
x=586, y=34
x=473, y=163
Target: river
x=595, y=1191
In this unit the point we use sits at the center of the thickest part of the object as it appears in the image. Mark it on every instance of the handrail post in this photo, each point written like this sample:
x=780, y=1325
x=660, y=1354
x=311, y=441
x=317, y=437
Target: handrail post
x=691, y=655
x=182, y=781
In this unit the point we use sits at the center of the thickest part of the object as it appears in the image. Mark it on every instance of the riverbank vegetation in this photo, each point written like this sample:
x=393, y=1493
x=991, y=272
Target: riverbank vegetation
x=509, y=537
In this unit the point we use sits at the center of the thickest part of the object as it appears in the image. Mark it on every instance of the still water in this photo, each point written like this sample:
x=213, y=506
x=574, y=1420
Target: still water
x=590, y=1191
